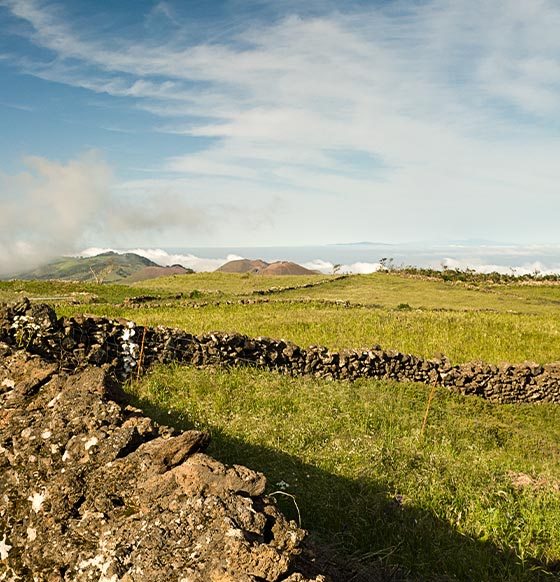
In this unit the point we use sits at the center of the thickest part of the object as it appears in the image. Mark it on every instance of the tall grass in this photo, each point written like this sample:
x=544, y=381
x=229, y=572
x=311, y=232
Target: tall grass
x=463, y=336
x=227, y=284
x=477, y=498
x=390, y=290
x=80, y=292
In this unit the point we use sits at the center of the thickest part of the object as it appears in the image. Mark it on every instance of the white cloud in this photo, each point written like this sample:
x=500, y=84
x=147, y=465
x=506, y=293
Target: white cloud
x=433, y=92
x=358, y=268
x=532, y=268
x=52, y=208
x=46, y=209
x=505, y=260
x=166, y=259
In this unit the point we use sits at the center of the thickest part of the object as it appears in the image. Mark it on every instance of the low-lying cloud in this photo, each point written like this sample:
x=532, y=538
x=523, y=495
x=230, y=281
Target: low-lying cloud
x=53, y=208
x=549, y=263
x=166, y=259
x=47, y=208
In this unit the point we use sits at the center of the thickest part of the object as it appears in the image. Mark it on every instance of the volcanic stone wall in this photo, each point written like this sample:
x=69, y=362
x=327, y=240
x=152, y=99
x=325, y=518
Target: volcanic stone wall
x=91, y=490
x=123, y=348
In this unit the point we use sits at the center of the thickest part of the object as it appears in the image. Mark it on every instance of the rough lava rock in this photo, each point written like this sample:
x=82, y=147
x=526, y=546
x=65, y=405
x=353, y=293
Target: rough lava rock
x=93, y=490
x=121, y=347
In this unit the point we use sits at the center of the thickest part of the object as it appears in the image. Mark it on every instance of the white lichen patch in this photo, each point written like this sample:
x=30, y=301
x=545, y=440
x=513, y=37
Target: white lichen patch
x=53, y=401
x=37, y=500
x=235, y=533
x=129, y=348
x=31, y=534
x=293, y=536
x=4, y=548
x=46, y=434
x=91, y=443
x=100, y=562
x=96, y=562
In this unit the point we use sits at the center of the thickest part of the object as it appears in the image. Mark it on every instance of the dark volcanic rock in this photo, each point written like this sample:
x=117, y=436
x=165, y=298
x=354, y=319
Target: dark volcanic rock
x=121, y=348
x=92, y=490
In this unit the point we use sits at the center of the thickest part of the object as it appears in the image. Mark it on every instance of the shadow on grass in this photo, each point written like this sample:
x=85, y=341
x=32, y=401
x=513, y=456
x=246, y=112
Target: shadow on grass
x=360, y=532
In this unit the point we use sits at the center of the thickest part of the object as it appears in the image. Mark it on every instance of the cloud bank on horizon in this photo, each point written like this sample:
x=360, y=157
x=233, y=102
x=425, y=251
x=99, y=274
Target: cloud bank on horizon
x=167, y=123
x=505, y=260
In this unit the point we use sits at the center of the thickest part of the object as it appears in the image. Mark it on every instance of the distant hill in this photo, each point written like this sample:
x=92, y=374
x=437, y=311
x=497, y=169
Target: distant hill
x=243, y=266
x=109, y=267
x=155, y=272
x=258, y=267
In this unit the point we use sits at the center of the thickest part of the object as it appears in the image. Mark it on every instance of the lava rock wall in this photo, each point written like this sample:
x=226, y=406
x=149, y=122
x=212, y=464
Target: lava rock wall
x=123, y=347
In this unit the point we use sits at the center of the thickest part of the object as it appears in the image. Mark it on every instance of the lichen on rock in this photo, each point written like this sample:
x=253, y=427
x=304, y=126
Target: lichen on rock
x=93, y=490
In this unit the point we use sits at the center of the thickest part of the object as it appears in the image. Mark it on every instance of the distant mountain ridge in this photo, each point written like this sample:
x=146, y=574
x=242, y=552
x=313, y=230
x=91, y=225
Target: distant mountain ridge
x=108, y=267
x=115, y=267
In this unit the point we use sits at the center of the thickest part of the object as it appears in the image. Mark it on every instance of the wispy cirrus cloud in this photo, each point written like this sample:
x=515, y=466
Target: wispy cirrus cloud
x=444, y=106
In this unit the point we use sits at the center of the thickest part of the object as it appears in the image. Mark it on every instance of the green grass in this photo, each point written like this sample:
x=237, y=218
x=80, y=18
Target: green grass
x=364, y=480
x=462, y=336
x=390, y=290
x=80, y=292
x=221, y=285
x=384, y=289
x=449, y=506
x=488, y=322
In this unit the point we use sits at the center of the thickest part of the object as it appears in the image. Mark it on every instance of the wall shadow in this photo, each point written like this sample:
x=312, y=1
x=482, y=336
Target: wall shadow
x=359, y=531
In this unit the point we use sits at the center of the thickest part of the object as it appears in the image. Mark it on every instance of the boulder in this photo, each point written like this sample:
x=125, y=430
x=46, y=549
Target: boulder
x=93, y=490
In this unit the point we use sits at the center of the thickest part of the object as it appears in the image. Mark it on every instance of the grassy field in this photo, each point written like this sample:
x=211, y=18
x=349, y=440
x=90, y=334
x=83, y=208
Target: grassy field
x=490, y=322
x=382, y=289
x=462, y=336
x=476, y=498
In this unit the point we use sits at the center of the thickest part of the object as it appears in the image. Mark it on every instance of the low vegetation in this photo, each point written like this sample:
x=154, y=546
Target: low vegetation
x=476, y=497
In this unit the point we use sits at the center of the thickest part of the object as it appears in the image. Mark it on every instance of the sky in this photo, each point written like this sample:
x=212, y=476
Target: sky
x=180, y=123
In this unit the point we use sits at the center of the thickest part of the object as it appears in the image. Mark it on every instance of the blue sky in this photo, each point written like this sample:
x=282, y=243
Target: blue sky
x=276, y=122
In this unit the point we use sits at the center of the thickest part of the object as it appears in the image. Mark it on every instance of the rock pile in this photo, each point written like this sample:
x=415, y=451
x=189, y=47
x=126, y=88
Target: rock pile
x=92, y=490
x=121, y=347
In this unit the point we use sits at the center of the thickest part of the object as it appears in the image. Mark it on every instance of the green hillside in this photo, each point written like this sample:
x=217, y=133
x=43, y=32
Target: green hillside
x=107, y=267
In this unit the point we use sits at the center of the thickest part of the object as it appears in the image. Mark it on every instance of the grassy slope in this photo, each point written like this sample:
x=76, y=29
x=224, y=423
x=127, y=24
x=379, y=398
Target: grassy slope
x=106, y=295
x=107, y=267
x=478, y=498
x=376, y=289
x=493, y=323
x=450, y=503
x=461, y=336
x=216, y=285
